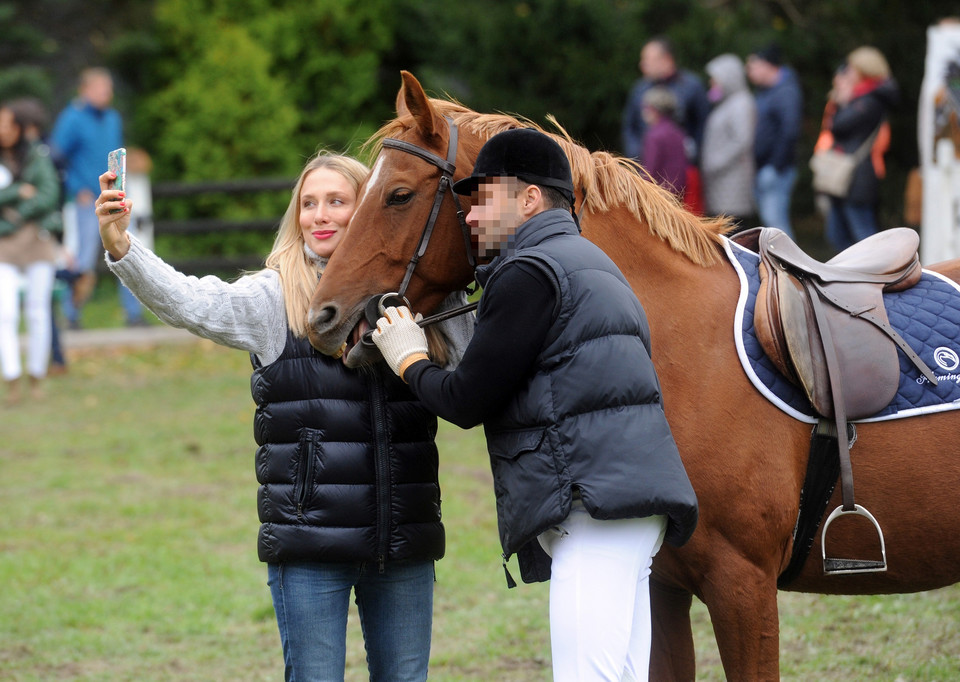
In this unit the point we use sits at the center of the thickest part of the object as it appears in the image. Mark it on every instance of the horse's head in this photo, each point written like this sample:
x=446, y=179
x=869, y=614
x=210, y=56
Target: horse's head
x=405, y=235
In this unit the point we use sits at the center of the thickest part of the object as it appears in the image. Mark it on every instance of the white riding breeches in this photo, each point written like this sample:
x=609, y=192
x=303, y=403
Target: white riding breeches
x=600, y=596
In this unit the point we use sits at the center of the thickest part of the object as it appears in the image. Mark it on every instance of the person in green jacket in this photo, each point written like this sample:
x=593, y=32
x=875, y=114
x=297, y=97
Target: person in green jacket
x=29, y=214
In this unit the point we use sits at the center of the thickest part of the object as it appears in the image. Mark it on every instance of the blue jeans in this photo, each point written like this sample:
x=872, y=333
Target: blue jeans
x=89, y=249
x=396, y=615
x=89, y=246
x=848, y=223
x=773, y=190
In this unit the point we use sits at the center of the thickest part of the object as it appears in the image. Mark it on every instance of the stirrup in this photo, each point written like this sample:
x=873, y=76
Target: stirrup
x=834, y=566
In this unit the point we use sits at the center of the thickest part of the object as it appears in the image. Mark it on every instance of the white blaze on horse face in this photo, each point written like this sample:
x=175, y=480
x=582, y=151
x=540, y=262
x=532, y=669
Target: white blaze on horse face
x=372, y=180
x=495, y=215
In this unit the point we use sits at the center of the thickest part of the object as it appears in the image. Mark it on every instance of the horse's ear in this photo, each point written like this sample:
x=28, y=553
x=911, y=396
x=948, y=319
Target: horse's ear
x=413, y=100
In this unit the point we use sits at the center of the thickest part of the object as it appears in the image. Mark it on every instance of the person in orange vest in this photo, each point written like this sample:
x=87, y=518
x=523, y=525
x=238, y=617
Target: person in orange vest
x=862, y=96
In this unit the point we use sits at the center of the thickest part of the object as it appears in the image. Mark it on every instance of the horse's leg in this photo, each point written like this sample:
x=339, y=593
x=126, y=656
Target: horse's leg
x=672, y=656
x=742, y=601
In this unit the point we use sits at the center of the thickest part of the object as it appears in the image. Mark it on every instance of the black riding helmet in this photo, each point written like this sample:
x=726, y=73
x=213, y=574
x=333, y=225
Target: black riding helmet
x=523, y=153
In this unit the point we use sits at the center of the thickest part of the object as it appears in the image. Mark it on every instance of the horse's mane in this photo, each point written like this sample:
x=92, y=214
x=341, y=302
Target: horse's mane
x=606, y=181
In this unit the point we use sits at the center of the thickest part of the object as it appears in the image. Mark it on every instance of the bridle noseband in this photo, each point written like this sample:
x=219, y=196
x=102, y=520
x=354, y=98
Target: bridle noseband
x=377, y=304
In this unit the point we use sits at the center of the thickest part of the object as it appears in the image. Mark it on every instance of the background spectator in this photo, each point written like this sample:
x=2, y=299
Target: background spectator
x=29, y=213
x=36, y=124
x=863, y=94
x=85, y=132
x=779, y=117
x=726, y=161
x=664, y=153
x=659, y=67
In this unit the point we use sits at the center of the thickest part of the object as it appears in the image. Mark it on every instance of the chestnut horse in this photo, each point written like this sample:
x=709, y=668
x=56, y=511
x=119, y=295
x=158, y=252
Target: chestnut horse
x=745, y=457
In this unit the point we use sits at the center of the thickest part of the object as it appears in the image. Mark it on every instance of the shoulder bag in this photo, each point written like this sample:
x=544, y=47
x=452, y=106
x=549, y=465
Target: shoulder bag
x=833, y=169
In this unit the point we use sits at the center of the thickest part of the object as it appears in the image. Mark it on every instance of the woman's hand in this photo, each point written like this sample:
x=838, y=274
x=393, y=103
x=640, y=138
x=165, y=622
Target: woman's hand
x=113, y=226
x=843, y=84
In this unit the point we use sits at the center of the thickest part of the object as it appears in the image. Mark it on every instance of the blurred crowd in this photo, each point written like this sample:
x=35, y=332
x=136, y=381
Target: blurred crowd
x=730, y=146
x=49, y=234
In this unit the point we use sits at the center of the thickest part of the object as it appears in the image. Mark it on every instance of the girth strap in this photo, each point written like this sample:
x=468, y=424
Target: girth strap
x=823, y=471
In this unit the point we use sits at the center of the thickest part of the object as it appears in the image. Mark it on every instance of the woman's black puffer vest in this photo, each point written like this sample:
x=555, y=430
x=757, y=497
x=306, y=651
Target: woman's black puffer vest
x=347, y=463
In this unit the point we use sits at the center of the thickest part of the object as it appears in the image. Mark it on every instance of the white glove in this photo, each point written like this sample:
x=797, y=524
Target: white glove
x=400, y=339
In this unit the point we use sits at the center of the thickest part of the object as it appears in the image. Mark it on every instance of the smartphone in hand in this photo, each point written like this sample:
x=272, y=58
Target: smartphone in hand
x=117, y=163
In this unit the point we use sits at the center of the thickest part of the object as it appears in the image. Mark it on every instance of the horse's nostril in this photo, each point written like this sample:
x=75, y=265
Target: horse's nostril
x=323, y=316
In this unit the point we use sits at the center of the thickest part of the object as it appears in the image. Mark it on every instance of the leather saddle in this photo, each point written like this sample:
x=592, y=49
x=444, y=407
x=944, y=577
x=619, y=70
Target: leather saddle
x=804, y=307
x=825, y=327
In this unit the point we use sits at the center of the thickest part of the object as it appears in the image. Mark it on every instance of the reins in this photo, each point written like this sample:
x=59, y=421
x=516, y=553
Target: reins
x=377, y=304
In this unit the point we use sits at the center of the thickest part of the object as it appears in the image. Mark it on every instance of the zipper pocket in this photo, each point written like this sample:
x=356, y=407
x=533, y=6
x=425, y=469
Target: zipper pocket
x=304, y=482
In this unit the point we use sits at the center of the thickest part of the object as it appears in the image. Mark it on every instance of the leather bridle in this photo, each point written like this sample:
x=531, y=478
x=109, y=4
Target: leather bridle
x=377, y=304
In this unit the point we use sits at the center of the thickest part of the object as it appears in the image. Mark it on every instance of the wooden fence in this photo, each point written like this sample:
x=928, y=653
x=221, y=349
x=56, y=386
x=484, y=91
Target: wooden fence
x=207, y=264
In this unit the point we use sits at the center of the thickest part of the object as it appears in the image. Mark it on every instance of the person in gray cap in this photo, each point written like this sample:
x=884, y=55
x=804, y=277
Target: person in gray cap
x=586, y=472
x=779, y=101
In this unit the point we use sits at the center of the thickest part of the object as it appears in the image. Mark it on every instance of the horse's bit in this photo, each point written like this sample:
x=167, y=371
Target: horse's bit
x=377, y=304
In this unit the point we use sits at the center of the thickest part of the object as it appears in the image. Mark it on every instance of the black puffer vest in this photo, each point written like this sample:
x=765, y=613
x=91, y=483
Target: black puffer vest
x=590, y=417
x=347, y=463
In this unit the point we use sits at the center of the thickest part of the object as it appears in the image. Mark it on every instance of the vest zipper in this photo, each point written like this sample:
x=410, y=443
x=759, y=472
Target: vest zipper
x=305, y=477
x=381, y=455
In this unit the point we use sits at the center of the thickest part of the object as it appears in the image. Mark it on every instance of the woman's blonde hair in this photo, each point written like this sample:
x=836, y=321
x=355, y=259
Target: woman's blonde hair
x=298, y=273
x=869, y=62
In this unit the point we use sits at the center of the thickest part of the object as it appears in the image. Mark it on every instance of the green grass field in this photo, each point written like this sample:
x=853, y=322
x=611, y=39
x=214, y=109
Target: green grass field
x=128, y=549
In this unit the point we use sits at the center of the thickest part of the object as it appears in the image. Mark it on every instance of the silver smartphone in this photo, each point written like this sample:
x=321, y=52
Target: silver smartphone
x=117, y=163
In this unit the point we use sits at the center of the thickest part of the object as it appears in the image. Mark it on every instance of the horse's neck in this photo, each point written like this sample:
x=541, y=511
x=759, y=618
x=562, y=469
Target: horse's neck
x=678, y=296
x=647, y=259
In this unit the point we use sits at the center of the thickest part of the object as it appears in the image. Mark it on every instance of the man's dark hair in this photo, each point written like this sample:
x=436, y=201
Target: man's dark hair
x=770, y=53
x=554, y=198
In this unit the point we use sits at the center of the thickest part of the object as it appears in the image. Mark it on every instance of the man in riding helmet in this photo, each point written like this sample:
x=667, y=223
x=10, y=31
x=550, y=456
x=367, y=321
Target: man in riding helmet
x=586, y=471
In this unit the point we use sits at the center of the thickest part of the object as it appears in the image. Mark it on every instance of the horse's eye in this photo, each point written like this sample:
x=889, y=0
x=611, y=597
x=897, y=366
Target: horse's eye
x=399, y=197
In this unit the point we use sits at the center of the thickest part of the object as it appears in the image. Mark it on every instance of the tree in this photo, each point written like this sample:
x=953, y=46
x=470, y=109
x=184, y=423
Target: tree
x=225, y=115
x=574, y=59
x=288, y=78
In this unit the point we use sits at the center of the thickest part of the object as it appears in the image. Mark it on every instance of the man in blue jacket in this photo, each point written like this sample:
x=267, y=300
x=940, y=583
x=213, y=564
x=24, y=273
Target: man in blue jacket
x=85, y=132
x=559, y=372
x=779, y=118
